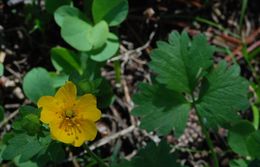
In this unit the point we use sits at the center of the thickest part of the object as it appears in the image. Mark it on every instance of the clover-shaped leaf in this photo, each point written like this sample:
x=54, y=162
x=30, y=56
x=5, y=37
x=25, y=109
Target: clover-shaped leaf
x=113, y=12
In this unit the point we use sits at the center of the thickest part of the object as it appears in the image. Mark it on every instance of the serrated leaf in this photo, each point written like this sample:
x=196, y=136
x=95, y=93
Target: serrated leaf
x=21, y=144
x=237, y=137
x=67, y=11
x=75, y=32
x=180, y=63
x=107, y=51
x=37, y=83
x=223, y=94
x=161, y=109
x=65, y=60
x=113, y=12
x=152, y=156
x=28, y=120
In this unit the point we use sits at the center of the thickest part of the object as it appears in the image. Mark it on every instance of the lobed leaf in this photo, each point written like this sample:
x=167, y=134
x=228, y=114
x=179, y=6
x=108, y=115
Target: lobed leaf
x=180, y=62
x=237, y=137
x=161, y=109
x=223, y=94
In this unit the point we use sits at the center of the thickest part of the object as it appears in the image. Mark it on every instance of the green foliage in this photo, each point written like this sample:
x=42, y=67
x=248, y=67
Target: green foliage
x=92, y=82
x=238, y=163
x=75, y=32
x=98, y=34
x=152, y=156
x=153, y=104
x=223, y=93
x=238, y=135
x=29, y=143
x=78, y=30
x=68, y=11
x=244, y=139
x=253, y=144
x=65, y=60
x=113, y=12
x=180, y=63
x=37, y=83
x=107, y=51
x=1, y=69
x=185, y=66
x=2, y=113
x=28, y=120
x=21, y=144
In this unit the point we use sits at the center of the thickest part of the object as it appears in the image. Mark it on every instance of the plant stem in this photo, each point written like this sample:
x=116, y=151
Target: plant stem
x=94, y=156
x=206, y=133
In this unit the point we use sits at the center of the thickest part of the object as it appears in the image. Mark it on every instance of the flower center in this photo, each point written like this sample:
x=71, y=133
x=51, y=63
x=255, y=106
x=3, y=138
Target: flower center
x=69, y=113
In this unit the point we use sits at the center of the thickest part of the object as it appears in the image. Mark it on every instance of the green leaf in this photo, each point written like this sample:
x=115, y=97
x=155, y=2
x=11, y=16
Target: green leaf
x=21, y=144
x=223, y=93
x=37, y=83
x=253, y=144
x=52, y=5
x=2, y=113
x=65, y=60
x=28, y=120
x=152, y=156
x=237, y=137
x=113, y=12
x=1, y=69
x=56, y=152
x=238, y=163
x=68, y=11
x=76, y=33
x=161, y=109
x=58, y=79
x=24, y=164
x=107, y=51
x=98, y=34
x=180, y=63
x=98, y=86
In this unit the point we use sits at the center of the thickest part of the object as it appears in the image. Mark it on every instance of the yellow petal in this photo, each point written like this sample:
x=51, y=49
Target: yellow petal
x=50, y=108
x=88, y=132
x=61, y=131
x=67, y=94
x=73, y=133
x=86, y=108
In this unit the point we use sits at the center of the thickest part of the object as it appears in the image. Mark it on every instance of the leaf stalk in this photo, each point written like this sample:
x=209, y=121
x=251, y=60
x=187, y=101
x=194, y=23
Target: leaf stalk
x=207, y=136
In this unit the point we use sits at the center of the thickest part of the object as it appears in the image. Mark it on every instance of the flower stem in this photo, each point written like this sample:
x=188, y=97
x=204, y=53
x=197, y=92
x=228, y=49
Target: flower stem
x=207, y=137
x=94, y=156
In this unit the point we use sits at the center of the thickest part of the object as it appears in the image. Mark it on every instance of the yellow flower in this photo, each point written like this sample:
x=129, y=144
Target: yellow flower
x=71, y=119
